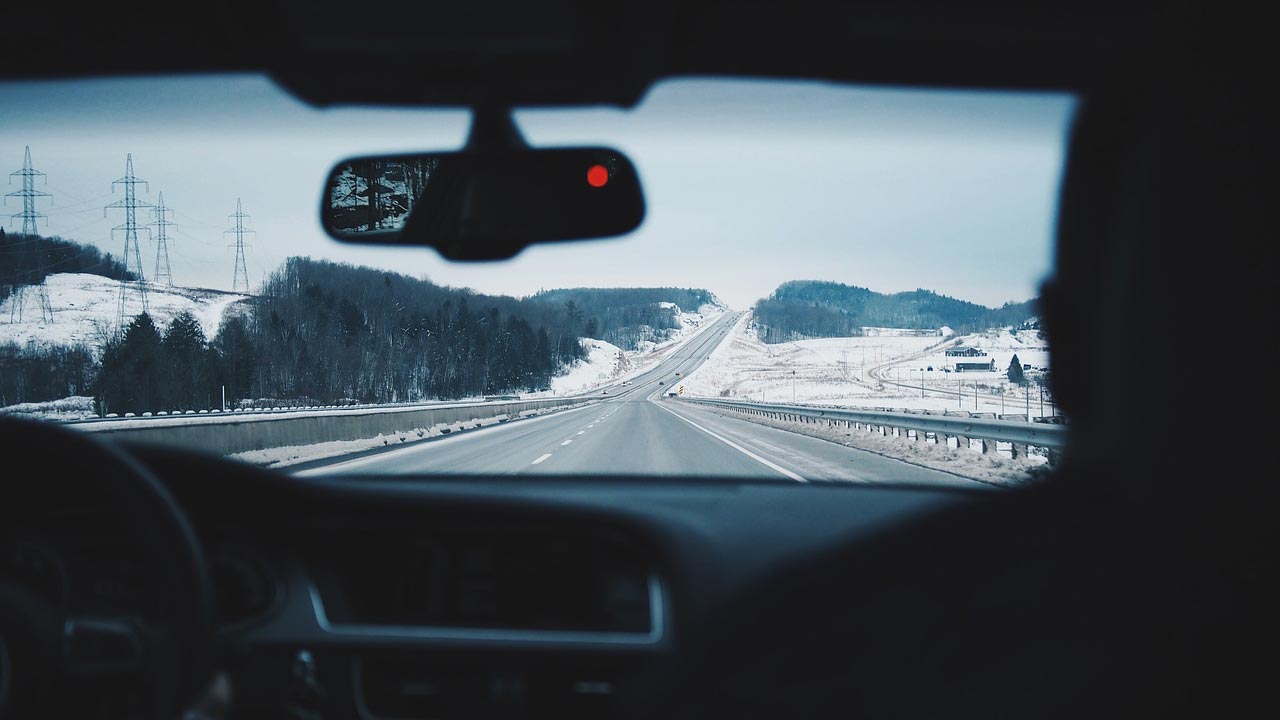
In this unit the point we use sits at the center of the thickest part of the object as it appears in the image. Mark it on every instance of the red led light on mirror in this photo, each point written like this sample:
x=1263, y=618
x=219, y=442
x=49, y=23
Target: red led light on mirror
x=597, y=176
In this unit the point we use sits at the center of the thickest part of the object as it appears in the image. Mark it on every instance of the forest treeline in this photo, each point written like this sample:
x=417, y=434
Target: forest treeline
x=324, y=332
x=627, y=317
x=29, y=259
x=812, y=309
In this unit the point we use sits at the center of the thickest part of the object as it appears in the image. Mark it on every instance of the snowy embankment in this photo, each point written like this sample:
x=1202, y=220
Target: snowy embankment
x=85, y=308
x=843, y=372
x=76, y=407
x=861, y=371
x=606, y=363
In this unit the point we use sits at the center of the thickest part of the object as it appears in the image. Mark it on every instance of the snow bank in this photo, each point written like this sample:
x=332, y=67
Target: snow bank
x=85, y=306
x=288, y=455
x=604, y=362
x=76, y=407
x=295, y=454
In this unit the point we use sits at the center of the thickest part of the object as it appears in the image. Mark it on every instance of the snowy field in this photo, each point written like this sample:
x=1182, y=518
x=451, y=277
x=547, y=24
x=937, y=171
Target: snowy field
x=85, y=306
x=884, y=368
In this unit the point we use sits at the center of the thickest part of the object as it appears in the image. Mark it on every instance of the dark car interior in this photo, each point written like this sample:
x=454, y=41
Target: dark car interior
x=1137, y=580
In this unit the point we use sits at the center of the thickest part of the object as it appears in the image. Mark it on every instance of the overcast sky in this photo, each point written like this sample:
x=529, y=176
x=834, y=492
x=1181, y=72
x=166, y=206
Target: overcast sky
x=748, y=184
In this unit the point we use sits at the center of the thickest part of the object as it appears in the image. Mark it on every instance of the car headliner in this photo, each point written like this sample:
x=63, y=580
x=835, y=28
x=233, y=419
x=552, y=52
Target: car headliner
x=591, y=52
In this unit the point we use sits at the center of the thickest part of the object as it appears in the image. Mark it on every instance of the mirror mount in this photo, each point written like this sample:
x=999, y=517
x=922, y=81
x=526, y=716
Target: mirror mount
x=493, y=130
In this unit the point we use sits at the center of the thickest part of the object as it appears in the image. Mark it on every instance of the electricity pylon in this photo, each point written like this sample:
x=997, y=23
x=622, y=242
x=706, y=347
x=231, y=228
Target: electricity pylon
x=132, y=255
x=239, y=276
x=162, y=223
x=29, y=216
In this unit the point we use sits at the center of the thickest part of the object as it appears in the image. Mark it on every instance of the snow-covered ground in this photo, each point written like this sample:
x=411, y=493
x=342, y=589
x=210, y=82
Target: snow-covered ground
x=604, y=362
x=85, y=307
x=76, y=407
x=607, y=363
x=861, y=371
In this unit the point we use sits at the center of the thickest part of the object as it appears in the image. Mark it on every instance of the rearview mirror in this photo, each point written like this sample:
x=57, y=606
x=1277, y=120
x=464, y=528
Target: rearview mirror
x=483, y=205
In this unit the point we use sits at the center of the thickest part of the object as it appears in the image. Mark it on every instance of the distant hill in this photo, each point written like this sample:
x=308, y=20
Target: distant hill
x=29, y=259
x=811, y=309
x=627, y=317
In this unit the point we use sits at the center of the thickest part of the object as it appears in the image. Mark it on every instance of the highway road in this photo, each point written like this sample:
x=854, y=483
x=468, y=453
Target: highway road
x=636, y=430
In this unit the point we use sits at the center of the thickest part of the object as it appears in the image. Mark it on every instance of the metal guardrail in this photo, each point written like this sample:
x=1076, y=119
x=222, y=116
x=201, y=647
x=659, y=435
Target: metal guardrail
x=1019, y=434
x=228, y=433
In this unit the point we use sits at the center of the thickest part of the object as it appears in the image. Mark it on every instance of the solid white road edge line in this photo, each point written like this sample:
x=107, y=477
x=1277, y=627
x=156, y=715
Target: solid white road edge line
x=736, y=446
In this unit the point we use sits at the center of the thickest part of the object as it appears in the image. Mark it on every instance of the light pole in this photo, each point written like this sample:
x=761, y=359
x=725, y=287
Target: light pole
x=793, y=386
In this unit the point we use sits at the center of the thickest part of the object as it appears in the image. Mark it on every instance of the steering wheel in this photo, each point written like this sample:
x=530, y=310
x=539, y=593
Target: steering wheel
x=140, y=663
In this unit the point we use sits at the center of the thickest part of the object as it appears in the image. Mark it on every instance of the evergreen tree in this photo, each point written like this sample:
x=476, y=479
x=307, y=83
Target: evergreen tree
x=1015, y=372
x=132, y=369
x=186, y=364
x=236, y=359
x=572, y=315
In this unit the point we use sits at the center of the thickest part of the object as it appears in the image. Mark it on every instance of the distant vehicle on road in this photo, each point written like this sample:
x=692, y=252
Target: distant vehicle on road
x=626, y=382
x=662, y=382
x=673, y=393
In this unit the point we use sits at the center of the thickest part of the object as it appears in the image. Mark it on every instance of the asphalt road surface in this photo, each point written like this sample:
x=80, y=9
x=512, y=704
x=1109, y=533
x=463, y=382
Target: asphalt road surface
x=637, y=430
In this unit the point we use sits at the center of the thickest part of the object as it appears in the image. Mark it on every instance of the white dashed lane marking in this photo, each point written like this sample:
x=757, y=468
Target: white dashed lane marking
x=544, y=457
x=566, y=442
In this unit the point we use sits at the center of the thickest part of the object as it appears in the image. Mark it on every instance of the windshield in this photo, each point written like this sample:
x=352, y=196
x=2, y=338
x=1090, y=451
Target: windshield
x=831, y=283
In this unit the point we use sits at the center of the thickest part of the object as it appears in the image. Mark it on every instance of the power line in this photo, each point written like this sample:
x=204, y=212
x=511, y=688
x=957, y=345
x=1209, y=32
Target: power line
x=240, y=275
x=132, y=255
x=163, y=273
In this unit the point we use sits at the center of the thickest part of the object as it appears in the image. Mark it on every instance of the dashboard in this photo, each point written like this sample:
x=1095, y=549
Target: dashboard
x=452, y=597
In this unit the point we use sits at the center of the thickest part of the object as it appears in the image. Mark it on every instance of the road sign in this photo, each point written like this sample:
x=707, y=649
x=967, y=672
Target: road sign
x=681, y=389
